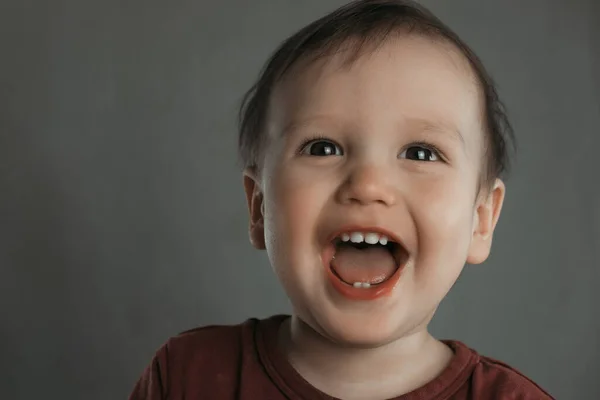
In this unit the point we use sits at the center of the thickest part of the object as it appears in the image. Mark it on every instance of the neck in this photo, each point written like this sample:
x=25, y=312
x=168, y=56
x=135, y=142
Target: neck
x=348, y=372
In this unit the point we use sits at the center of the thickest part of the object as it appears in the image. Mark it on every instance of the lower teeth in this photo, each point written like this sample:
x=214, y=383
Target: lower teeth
x=364, y=285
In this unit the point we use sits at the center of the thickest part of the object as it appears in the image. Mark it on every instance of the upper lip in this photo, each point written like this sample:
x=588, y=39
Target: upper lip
x=366, y=229
x=399, y=251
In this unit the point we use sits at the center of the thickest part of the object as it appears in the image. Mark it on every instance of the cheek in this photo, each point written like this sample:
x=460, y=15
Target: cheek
x=295, y=200
x=443, y=212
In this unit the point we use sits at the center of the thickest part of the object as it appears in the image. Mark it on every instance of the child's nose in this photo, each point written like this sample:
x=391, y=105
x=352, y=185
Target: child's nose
x=368, y=184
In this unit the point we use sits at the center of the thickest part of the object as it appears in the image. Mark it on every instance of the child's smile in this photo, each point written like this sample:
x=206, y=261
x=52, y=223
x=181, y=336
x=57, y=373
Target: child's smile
x=364, y=263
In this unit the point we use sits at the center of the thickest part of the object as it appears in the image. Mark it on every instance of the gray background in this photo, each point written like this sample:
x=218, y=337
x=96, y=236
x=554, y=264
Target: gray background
x=122, y=217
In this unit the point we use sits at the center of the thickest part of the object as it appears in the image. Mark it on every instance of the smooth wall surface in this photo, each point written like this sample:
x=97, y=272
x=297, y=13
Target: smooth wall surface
x=122, y=217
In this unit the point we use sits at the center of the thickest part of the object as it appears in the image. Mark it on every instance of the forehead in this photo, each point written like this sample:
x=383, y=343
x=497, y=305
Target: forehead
x=407, y=78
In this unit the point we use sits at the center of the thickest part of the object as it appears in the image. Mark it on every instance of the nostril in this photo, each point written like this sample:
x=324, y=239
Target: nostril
x=366, y=199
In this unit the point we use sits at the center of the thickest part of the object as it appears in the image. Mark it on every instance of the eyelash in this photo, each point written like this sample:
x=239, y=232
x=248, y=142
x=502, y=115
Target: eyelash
x=425, y=145
x=312, y=139
x=428, y=146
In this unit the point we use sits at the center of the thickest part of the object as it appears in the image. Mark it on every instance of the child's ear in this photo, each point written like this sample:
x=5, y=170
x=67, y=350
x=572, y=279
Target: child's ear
x=484, y=222
x=254, y=198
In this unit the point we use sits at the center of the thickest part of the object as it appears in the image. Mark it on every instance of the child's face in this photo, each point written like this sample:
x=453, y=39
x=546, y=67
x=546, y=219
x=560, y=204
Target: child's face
x=372, y=119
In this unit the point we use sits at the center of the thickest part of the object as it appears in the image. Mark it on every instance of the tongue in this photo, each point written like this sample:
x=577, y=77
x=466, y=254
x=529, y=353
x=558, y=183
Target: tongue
x=373, y=264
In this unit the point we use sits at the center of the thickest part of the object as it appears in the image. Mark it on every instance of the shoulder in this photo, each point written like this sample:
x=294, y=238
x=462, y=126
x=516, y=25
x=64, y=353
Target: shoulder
x=200, y=360
x=497, y=379
x=204, y=344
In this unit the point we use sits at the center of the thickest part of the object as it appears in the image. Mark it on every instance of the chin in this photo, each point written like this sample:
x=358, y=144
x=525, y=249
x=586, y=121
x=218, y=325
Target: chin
x=354, y=331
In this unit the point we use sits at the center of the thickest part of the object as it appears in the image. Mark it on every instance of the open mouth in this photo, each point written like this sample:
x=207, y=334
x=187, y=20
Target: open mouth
x=364, y=261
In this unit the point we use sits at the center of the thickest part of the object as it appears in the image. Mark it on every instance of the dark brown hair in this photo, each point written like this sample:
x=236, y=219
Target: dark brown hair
x=358, y=24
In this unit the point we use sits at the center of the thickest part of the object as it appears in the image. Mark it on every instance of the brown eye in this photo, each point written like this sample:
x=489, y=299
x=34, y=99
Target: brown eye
x=419, y=153
x=322, y=148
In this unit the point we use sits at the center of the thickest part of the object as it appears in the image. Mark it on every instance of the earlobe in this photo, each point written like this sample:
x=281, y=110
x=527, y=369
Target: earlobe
x=254, y=199
x=486, y=217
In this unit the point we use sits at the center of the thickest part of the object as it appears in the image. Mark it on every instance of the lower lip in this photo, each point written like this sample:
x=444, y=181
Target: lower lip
x=374, y=292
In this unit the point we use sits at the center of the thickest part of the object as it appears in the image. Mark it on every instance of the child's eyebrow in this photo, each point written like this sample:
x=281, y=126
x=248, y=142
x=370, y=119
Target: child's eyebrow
x=297, y=124
x=437, y=126
x=414, y=124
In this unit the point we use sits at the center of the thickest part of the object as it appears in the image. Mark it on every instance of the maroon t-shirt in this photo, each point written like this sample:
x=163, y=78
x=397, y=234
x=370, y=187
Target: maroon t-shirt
x=243, y=362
